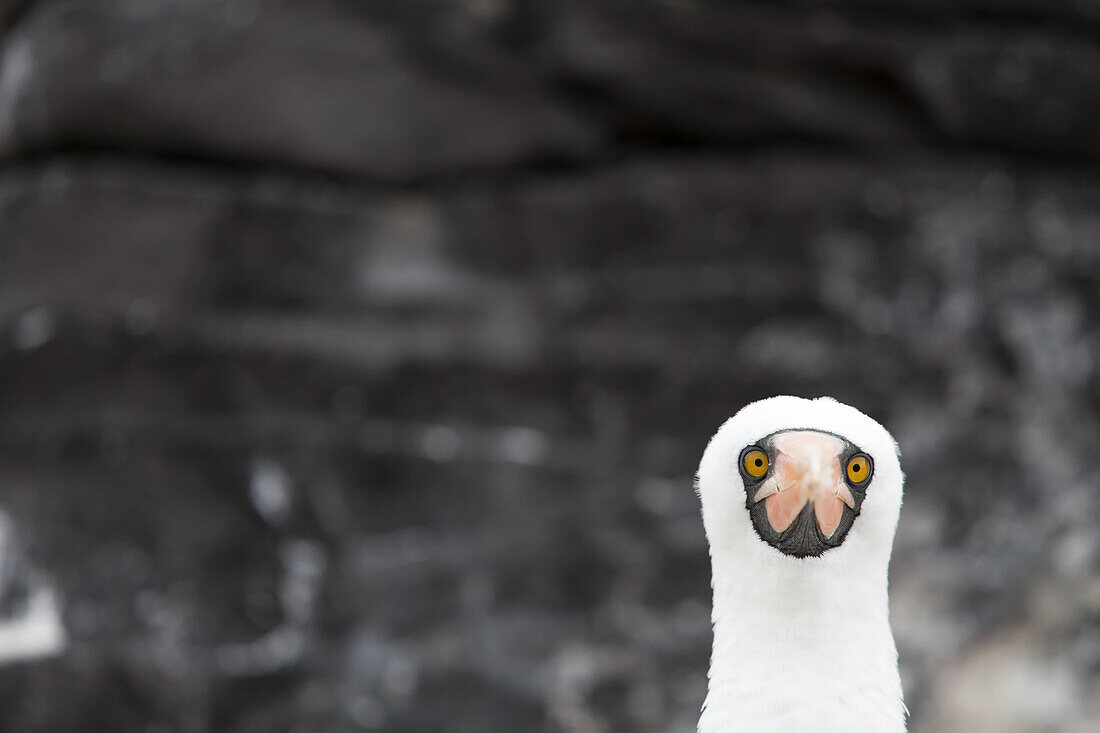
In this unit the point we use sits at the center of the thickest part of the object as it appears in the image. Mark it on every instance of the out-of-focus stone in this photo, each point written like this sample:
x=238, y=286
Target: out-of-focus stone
x=328, y=86
x=866, y=75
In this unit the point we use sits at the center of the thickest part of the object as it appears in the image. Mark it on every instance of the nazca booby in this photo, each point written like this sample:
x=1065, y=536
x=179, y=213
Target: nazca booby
x=800, y=500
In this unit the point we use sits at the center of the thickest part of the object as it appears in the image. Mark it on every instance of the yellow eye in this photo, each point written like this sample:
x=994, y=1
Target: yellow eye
x=755, y=462
x=859, y=469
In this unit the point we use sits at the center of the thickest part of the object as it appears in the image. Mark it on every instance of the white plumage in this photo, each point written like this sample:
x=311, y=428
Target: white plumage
x=800, y=643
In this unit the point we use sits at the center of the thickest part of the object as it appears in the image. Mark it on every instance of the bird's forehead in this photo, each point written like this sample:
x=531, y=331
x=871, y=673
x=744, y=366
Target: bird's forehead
x=800, y=443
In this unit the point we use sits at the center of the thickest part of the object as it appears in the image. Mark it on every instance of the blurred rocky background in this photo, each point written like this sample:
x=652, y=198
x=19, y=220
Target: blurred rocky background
x=356, y=357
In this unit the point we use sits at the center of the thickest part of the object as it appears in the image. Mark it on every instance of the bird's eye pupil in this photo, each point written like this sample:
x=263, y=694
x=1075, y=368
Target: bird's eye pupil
x=759, y=463
x=854, y=468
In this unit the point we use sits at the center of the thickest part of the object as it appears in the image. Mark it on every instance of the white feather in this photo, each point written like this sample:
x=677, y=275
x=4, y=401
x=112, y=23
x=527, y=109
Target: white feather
x=800, y=644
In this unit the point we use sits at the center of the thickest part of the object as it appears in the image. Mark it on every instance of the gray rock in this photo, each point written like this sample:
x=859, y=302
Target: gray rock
x=334, y=87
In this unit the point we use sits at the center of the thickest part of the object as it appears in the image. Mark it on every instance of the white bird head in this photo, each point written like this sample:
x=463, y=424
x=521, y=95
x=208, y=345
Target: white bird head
x=803, y=479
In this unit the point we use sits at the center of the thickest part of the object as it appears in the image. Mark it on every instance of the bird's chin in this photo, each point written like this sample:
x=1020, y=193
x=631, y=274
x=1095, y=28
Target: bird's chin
x=803, y=537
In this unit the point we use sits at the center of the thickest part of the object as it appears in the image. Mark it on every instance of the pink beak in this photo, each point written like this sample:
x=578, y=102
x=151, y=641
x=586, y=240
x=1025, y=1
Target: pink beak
x=807, y=469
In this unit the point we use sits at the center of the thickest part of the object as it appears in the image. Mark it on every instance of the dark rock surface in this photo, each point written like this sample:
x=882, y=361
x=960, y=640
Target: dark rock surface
x=355, y=358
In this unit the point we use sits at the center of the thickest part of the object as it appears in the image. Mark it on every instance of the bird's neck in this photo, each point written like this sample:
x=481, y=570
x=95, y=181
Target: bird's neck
x=802, y=645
